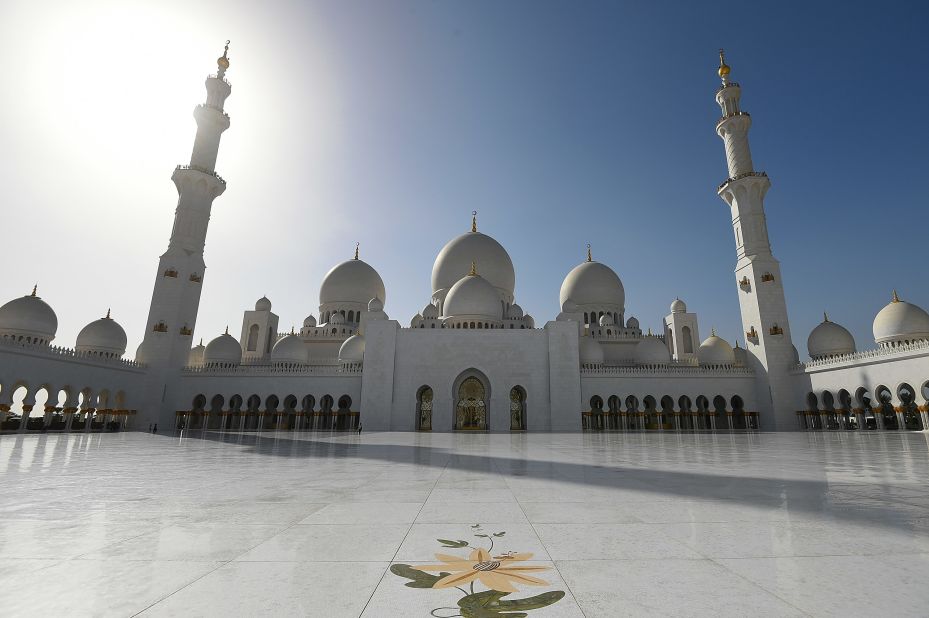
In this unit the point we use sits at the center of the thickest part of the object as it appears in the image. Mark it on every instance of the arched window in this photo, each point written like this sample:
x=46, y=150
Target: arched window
x=424, y=397
x=351, y=316
x=252, y=344
x=517, y=408
x=687, y=340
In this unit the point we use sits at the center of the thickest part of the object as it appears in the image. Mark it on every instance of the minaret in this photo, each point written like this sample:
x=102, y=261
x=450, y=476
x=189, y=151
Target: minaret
x=758, y=274
x=178, y=282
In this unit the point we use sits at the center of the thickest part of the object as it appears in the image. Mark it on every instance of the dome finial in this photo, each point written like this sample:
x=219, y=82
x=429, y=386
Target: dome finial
x=825, y=317
x=222, y=63
x=713, y=332
x=201, y=340
x=108, y=314
x=227, y=329
x=473, y=272
x=356, y=250
x=292, y=329
x=36, y=287
x=473, y=220
x=723, y=67
x=589, y=257
x=895, y=299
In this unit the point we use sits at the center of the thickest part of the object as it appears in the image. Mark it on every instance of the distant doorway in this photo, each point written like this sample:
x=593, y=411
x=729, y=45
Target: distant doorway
x=424, y=409
x=471, y=408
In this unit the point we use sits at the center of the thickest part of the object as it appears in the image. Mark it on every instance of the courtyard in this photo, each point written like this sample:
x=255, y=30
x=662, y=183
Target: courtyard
x=614, y=524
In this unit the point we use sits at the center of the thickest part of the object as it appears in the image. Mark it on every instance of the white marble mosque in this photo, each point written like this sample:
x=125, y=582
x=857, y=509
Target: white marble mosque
x=473, y=358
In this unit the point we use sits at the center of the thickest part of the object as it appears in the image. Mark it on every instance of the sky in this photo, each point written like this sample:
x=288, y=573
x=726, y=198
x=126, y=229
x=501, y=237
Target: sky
x=387, y=122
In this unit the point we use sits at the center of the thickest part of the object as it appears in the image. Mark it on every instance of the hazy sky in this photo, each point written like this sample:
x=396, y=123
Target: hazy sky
x=387, y=122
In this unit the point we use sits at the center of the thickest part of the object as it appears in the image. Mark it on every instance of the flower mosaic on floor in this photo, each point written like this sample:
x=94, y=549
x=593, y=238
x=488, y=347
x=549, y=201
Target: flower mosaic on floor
x=500, y=573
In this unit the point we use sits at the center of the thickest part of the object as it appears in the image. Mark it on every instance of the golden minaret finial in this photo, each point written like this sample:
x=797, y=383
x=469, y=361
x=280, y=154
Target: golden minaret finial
x=223, y=61
x=473, y=220
x=356, y=250
x=34, y=288
x=589, y=257
x=723, y=67
x=473, y=272
x=895, y=299
x=108, y=314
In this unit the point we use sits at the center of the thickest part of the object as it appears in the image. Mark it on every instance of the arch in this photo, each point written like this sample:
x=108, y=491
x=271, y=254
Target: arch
x=517, y=408
x=812, y=402
x=325, y=404
x=738, y=412
x=216, y=403
x=596, y=404
x=909, y=408
x=719, y=404
x=351, y=317
x=345, y=403
x=252, y=343
x=687, y=340
x=290, y=403
x=924, y=391
x=471, y=396
x=884, y=398
x=308, y=403
x=199, y=403
x=424, y=403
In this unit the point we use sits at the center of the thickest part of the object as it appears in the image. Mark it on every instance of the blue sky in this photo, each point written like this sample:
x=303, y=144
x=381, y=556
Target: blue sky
x=387, y=123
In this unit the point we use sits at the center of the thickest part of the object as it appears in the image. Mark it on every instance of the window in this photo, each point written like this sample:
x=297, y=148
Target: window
x=252, y=343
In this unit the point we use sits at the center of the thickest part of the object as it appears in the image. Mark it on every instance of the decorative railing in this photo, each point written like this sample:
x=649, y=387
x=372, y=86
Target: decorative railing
x=219, y=77
x=843, y=359
x=727, y=85
x=732, y=115
x=58, y=352
x=282, y=369
x=670, y=369
x=202, y=170
x=214, y=108
x=739, y=177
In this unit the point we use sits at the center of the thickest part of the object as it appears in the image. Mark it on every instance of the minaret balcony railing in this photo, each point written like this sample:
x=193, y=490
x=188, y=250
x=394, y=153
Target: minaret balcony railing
x=740, y=177
x=220, y=78
x=202, y=170
x=214, y=108
x=731, y=115
x=728, y=85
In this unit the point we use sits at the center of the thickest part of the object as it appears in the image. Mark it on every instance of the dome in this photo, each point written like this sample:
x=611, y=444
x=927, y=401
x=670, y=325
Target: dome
x=309, y=322
x=830, y=339
x=263, y=304
x=352, y=350
x=375, y=304
x=740, y=355
x=29, y=316
x=632, y=323
x=899, y=321
x=416, y=320
x=678, y=306
x=591, y=353
x=337, y=318
x=455, y=258
x=289, y=349
x=593, y=283
x=569, y=306
x=104, y=336
x=516, y=312
x=529, y=321
x=195, y=357
x=473, y=295
x=224, y=350
x=652, y=351
x=715, y=351
x=352, y=281
x=430, y=312
x=606, y=320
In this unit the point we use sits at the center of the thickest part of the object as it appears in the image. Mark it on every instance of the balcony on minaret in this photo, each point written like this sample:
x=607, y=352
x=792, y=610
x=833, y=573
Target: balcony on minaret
x=171, y=273
x=195, y=278
x=776, y=330
x=745, y=284
x=160, y=327
x=752, y=335
x=767, y=278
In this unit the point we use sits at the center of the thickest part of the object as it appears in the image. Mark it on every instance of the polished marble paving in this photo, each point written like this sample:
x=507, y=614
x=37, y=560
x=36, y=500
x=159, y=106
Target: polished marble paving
x=284, y=524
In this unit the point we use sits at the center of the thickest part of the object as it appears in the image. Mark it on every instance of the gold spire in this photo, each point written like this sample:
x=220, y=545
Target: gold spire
x=723, y=67
x=356, y=250
x=36, y=287
x=896, y=299
x=201, y=341
x=108, y=313
x=589, y=258
x=713, y=332
x=473, y=220
x=292, y=329
x=473, y=272
x=825, y=317
x=223, y=61
x=227, y=329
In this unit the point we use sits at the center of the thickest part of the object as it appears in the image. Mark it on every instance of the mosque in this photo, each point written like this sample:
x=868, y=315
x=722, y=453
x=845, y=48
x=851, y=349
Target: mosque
x=473, y=359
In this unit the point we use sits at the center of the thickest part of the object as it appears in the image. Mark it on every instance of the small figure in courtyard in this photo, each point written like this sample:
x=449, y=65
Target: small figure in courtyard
x=155, y=428
x=359, y=429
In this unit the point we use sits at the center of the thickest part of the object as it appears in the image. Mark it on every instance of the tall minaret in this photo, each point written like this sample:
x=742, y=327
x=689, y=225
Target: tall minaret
x=757, y=272
x=176, y=297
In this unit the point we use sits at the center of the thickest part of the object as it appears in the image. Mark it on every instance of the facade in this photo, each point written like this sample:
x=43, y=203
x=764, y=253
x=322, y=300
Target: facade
x=472, y=359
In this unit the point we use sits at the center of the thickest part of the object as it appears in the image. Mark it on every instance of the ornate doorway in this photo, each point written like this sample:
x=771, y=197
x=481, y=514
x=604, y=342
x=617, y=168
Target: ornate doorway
x=471, y=411
x=517, y=409
x=424, y=409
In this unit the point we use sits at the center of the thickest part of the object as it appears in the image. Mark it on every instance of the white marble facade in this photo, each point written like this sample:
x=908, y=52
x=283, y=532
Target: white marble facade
x=473, y=358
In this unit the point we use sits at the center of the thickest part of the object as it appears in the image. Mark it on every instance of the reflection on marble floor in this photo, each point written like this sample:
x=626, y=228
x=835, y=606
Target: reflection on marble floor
x=339, y=525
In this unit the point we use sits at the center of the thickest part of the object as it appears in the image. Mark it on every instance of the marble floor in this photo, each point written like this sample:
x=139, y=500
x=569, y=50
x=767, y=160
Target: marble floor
x=535, y=525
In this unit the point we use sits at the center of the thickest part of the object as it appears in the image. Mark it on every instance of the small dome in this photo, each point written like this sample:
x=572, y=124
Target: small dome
x=224, y=350
x=352, y=350
x=830, y=339
x=632, y=323
x=352, y=281
x=309, y=322
x=195, y=356
x=29, y=316
x=678, y=306
x=473, y=295
x=516, y=312
x=899, y=321
x=104, y=337
x=416, y=320
x=590, y=352
x=593, y=283
x=652, y=351
x=337, y=318
x=263, y=304
x=375, y=304
x=529, y=321
x=569, y=306
x=430, y=312
x=454, y=262
x=606, y=320
x=289, y=349
x=715, y=351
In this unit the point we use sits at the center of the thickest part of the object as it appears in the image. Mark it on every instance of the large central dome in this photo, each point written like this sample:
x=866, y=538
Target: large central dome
x=352, y=281
x=493, y=262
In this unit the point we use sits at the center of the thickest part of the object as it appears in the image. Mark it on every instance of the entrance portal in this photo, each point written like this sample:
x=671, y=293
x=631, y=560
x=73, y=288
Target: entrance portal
x=471, y=411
